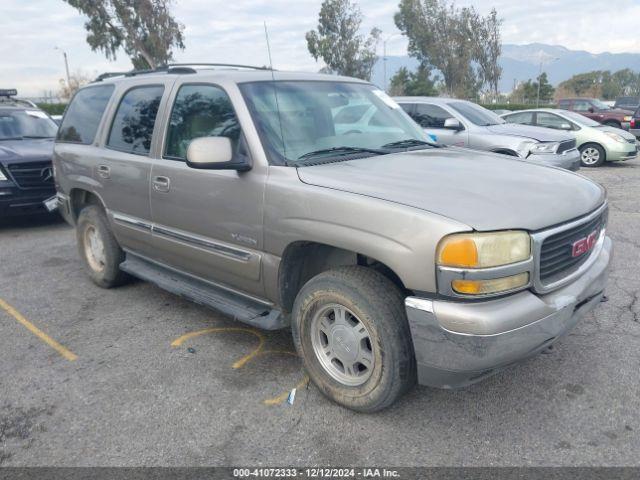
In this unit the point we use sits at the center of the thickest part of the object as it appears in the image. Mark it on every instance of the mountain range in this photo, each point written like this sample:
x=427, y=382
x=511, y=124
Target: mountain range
x=522, y=62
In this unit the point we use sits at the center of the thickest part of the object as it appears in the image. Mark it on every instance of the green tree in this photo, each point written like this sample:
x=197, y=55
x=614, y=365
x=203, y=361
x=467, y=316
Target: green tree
x=453, y=40
x=145, y=29
x=338, y=43
x=418, y=83
x=527, y=92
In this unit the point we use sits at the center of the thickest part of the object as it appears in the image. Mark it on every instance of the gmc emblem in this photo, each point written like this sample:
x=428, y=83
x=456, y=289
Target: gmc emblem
x=582, y=246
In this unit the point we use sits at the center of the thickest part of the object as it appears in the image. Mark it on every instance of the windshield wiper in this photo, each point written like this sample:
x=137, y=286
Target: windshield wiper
x=339, y=151
x=35, y=136
x=409, y=142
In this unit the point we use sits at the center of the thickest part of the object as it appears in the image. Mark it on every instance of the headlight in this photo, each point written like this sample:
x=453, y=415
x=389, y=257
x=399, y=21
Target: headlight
x=483, y=250
x=544, y=147
x=2, y=175
x=627, y=118
x=614, y=136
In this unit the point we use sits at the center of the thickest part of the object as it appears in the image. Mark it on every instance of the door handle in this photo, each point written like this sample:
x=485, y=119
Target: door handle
x=104, y=171
x=161, y=184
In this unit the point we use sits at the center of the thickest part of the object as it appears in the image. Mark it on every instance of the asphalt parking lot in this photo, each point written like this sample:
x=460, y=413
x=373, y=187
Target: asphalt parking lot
x=141, y=377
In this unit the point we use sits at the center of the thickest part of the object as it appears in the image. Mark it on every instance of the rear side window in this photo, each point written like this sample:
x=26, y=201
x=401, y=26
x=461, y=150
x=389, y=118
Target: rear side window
x=82, y=118
x=200, y=111
x=430, y=116
x=564, y=104
x=525, y=118
x=132, y=127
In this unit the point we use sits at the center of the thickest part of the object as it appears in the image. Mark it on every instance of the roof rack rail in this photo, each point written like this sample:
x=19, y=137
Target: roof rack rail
x=179, y=68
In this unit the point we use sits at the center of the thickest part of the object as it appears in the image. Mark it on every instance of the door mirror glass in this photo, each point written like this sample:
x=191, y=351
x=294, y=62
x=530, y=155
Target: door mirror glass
x=452, y=124
x=215, y=153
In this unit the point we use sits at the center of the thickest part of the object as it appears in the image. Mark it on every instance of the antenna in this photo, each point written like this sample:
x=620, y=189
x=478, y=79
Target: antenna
x=275, y=92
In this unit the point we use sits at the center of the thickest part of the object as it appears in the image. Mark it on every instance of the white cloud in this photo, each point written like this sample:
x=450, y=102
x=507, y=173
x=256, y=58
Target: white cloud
x=224, y=31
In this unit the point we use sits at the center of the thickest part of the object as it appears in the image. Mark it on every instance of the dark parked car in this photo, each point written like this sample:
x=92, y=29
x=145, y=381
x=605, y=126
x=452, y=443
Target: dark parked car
x=598, y=111
x=26, y=148
x=634, y=126
x=627, y=103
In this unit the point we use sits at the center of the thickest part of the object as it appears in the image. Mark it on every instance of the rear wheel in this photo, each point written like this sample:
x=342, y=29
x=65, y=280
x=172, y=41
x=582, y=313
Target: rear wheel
x=612, y=124
x=592, y=155
x=350, y=327
x=99, y=249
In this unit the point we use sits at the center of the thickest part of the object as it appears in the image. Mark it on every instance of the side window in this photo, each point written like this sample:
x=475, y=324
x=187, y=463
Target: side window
x=408, y=108
x=550, y=120
x=200, y=111
x=132, y=126
x=564, y=104
x=581, y=105
x=525, y=118
x=83, y=116
x=430, y=116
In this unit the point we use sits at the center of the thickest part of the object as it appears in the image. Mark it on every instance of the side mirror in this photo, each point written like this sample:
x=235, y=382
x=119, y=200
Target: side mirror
x=214, y=153
x=591, y=110
x=452, y=124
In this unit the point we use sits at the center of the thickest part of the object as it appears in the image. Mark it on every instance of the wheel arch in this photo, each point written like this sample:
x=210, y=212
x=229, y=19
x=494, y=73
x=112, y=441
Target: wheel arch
x=302, y=260
x=80, y=197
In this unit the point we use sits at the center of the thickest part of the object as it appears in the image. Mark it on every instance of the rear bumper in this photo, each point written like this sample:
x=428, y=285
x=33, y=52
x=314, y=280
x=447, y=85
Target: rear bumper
x=569, y=160
x=14, y=201
x=514, y=327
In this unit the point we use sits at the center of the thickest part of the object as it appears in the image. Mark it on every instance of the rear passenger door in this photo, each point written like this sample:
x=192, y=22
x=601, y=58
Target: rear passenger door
x=123, y=170
x=207, y=223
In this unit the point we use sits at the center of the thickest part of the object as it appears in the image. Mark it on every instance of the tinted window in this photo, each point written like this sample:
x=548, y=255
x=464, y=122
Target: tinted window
x=81, y=120
x=200, y=111
x=430, y=115
x=564, y=104
x=525, y=118
x=549, y=120
x=135, y=118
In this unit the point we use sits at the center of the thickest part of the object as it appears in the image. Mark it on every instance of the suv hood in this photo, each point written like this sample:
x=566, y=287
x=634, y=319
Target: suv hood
x=27, y=150
x=485, y=191
x=537, y=133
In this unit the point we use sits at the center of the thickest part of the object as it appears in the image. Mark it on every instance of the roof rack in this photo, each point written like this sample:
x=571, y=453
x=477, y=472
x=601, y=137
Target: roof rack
x=177, y=68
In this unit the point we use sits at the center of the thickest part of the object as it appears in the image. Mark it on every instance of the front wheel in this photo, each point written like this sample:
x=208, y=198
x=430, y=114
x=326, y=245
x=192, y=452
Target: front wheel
x=350, y=328
x=592, y=155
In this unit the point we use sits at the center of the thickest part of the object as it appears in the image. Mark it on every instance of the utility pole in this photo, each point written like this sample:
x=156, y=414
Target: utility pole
x=66, y=65
x=384, y=57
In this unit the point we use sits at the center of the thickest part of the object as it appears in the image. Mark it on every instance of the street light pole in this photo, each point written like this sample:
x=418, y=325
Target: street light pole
x=538, y=96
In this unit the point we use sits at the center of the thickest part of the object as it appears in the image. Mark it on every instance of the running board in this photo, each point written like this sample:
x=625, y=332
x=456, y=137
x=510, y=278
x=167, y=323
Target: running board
x=229, y=303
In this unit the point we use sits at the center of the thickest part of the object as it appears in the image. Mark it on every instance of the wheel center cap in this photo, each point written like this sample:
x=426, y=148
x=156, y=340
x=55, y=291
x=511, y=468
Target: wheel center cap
x=344, y=342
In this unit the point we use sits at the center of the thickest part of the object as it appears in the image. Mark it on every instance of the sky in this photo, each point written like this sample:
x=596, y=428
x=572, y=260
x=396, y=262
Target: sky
x=34, y=33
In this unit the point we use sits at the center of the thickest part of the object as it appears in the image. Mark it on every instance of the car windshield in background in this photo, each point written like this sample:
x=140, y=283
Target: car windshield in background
x=19, y=124
x=581, y=119
x=301, y=120
x=476, y=114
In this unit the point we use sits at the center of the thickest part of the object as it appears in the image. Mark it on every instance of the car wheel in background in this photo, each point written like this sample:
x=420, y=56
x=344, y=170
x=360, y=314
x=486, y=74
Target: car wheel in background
x=612, y=124
x=350, y=327
x=99, y=249
x=592, y=155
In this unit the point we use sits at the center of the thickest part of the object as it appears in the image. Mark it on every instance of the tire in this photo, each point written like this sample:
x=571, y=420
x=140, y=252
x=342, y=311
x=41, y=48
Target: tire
x=370, y=301
x=612, y=124
x=592, y=155
x=99, y=249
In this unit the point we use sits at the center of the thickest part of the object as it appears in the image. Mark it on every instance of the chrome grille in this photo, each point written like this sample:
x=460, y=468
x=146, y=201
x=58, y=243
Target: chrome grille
x=32, y=174
x=566, y=145
x=556, y=252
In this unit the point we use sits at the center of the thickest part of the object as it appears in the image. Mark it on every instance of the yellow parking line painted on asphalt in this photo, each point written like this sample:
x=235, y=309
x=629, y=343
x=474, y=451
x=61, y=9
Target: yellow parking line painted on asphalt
x=66, y=353
x=283, y=396
x=240, y=363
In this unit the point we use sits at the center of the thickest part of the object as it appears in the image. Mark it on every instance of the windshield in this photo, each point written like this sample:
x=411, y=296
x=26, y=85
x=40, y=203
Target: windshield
x=302, y=119
x=600, y=105
x=476, y=114
x=581, y=119
x=18, y=124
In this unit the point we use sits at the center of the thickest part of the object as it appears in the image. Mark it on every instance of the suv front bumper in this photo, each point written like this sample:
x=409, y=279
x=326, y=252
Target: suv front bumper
x=14, y=201
x=513, y=328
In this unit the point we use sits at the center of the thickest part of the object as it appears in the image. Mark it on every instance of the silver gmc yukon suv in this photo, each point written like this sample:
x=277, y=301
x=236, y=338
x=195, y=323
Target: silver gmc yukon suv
x=392, y=260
